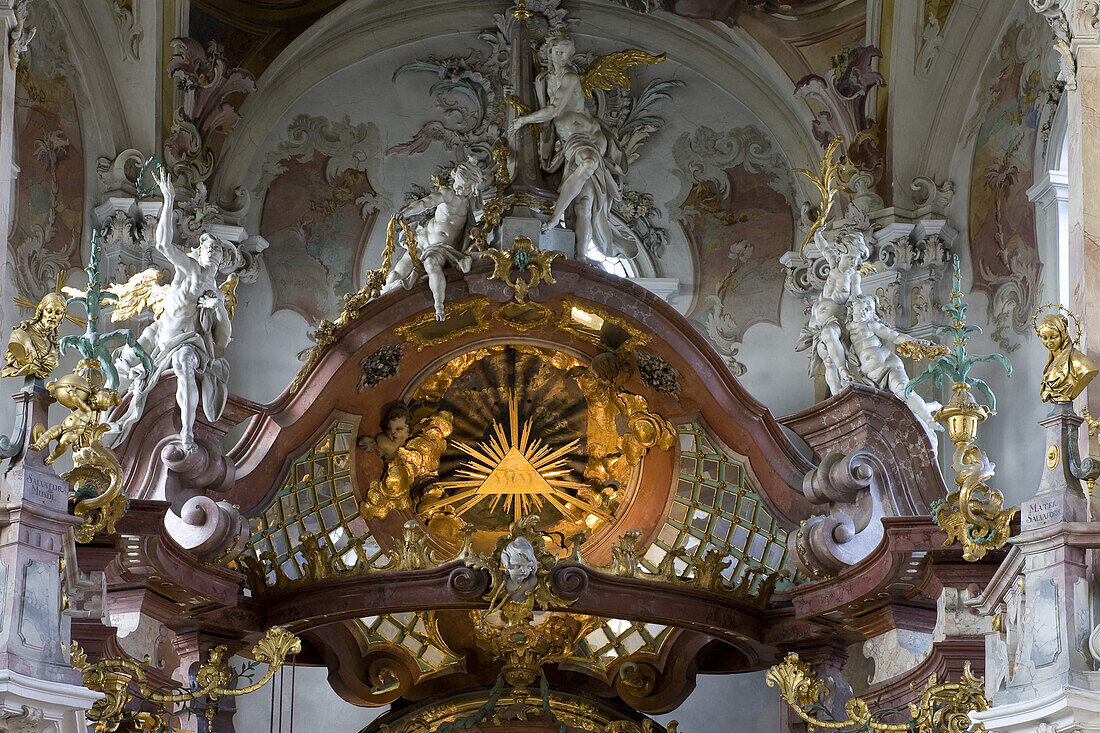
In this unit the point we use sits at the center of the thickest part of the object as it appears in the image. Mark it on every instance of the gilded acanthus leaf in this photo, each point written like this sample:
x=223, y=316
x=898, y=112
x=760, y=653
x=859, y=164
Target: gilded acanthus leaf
x=607, y=71
x=141, y=291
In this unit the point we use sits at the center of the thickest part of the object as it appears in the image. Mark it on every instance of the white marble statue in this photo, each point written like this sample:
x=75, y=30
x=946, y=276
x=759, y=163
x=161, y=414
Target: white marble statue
x=190, y=331
x=824, y=331
x=873, y=343
x=849, y=342
x=520, y=567
x=589, y=156
x=439, y=241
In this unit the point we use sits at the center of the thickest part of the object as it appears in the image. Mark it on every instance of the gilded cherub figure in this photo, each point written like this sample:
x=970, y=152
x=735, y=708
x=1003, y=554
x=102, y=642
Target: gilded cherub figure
x=878, y=363
x=418, y=457
x=191, y=328
x=33, y=345
x=87, y=402
x=439, y=242
x=1067, y=371
x=396, y=430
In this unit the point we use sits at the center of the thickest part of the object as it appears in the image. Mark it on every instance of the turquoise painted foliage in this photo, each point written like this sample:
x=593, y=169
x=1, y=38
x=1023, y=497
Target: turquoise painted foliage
x=92, y=344
x=957, y=363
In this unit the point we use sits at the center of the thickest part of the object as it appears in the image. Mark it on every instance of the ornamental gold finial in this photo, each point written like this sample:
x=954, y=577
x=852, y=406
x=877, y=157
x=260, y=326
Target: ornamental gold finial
x=974, y=515
x=1068, y=371
x=520, y=11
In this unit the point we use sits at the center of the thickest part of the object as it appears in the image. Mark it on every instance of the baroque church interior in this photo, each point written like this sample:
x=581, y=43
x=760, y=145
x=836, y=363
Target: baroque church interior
x=602, y=366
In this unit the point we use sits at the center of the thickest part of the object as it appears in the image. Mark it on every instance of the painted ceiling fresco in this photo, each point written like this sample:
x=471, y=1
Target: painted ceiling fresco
x=49, y=206
x=1016, y=97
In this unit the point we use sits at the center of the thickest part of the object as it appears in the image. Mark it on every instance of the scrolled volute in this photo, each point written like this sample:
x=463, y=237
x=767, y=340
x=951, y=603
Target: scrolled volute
x=850, y=488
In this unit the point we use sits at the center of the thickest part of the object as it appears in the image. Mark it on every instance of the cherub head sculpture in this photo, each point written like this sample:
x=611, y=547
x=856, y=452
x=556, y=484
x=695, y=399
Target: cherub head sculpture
x=521, y=567
x=862, y=308
x=559, y=48
x=467, y=177
x=398, y=424
x=851, y=248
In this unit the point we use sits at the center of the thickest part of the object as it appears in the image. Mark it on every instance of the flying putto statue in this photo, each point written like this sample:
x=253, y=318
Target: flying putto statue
x=439, y=241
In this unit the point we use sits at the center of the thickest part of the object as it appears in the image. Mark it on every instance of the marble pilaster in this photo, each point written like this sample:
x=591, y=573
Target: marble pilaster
x=37, y=684
x=8, y=167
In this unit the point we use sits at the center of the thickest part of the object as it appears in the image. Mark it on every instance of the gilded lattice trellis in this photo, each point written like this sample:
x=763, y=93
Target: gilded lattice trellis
x=416, y=632
x=316, y=499
x=715, y=507
x=614, y=638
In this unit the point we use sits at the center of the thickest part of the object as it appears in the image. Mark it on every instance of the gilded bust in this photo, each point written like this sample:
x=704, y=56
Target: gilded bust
x=32, y=346
x=1068, y=371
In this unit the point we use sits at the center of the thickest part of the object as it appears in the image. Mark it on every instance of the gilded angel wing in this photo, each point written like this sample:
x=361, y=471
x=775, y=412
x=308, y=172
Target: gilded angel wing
x=141, y=291
x=229, y=289
x=607, y=71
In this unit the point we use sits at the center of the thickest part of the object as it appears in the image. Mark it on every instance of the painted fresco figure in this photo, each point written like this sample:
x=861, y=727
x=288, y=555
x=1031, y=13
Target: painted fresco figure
x=589, y=158
x=438, y=242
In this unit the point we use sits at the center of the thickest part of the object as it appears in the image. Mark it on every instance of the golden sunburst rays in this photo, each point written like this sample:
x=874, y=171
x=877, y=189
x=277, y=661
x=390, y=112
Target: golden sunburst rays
x=512, y=469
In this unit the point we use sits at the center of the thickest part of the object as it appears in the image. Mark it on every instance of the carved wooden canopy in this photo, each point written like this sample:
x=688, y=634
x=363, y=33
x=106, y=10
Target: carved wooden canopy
x=594, y=404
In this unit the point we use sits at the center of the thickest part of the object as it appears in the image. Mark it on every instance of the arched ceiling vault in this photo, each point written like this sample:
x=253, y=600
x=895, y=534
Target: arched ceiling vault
x=359, y=28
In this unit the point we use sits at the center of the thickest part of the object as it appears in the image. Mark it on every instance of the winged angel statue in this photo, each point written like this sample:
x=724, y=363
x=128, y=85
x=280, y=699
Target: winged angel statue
x=190, y=329
x=587, y=152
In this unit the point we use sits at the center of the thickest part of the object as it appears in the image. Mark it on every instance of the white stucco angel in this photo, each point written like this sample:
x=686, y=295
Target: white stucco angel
x=581, y=146
x=825, y=330
x=191, y=326
x=440, y=240
x=873, y=343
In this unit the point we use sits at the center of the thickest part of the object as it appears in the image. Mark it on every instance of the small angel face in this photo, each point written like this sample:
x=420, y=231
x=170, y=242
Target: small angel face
x=518, y=567
x=847, y=261
x=1051, y=338
x=862, y=309
x=397, y=429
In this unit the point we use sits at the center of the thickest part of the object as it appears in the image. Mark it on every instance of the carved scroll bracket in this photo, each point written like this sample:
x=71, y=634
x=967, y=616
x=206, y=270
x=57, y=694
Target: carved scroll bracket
x=850, y=488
